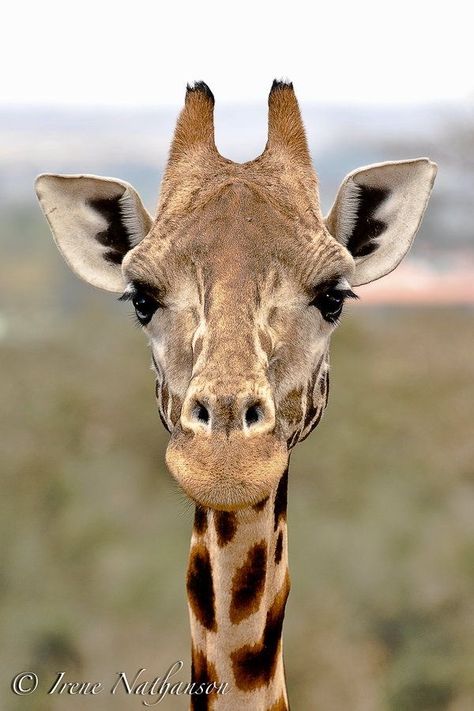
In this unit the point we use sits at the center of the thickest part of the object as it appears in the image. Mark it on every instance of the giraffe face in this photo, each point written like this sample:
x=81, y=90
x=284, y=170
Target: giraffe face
x=239, y=283
x=242, y=300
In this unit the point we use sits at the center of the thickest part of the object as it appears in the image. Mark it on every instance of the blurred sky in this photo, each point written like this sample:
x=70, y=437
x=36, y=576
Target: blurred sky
x=143, y=53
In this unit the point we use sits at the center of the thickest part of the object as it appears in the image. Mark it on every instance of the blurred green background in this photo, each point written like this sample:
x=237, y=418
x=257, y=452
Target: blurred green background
x=94, y=535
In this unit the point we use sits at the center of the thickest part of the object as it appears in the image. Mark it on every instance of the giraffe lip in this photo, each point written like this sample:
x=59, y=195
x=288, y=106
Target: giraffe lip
x=226, y=473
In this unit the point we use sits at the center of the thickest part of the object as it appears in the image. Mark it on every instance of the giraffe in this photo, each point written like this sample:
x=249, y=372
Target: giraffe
x=239, y=282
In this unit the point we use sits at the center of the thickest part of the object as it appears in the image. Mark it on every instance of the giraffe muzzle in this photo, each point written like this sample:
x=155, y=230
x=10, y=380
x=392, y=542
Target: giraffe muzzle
x=226, y=471
x=225, y=452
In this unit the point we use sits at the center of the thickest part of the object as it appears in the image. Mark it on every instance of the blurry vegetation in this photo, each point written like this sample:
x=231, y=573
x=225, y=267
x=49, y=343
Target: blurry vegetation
x=94, y=535
x=383, y=501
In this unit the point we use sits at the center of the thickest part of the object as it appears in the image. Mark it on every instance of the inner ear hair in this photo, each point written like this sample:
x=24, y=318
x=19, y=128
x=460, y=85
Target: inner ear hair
x=357, y=223
x=124, y=230
x=132, y=218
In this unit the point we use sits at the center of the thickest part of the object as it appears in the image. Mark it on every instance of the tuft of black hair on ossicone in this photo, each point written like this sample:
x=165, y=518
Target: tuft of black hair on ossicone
x=202, y=88
x=280, y=85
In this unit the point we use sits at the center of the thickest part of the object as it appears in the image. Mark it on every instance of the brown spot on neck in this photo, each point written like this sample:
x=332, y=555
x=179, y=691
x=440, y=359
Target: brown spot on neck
x=200, y=520
x=225, y=523
x=254, y=665
x=200, y=587
x=202, y=672
x=248, y=584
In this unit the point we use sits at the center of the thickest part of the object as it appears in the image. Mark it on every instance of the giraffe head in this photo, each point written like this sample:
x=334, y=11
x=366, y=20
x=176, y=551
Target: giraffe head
x=239, y=282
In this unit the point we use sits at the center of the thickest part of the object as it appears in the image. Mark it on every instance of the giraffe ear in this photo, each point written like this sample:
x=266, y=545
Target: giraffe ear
x=377, y=213
x=95, y=222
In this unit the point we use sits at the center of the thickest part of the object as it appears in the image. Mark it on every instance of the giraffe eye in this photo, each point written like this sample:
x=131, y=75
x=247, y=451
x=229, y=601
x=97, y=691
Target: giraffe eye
x=330, y=302
x=145, y=306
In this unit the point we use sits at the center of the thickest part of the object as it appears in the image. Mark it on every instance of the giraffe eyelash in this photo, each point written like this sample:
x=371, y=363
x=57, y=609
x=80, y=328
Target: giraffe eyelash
x=347, y=293
x=136, y=288
x=126, y=296
x=335, y=288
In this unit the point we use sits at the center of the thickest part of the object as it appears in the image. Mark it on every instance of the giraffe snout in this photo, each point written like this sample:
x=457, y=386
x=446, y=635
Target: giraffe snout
x=226, y=452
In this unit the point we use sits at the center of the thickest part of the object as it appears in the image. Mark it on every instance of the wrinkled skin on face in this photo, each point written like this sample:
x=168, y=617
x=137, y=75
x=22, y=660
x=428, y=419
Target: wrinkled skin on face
x=240, y=350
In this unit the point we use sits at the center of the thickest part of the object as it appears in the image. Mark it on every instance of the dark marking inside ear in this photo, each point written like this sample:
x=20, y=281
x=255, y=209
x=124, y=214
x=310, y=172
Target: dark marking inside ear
x=115, y=237
x=254, y=664
x=281, y=499
x=200, y=587
x=202, y=673
x=226, y=526
x=363, y=239
x=279, y=548
x=248, y=584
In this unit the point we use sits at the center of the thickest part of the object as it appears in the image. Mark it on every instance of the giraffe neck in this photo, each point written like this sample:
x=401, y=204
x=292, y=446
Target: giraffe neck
x=237, y=585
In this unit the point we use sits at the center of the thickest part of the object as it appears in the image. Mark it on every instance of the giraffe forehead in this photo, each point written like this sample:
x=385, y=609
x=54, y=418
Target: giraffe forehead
x=237, y=240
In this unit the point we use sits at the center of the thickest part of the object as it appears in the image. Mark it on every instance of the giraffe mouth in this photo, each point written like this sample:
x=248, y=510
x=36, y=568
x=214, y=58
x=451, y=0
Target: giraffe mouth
x=226, y=473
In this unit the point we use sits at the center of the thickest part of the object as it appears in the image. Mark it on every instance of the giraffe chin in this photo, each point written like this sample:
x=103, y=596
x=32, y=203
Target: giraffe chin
x=226, y=473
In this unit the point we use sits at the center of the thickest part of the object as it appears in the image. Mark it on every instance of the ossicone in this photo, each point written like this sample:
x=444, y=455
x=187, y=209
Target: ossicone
x=285, y=127
x=195, y=126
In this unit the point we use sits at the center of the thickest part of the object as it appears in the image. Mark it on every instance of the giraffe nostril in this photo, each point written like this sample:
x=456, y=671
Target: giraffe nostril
x=253, y=414
x=201, y=413
x=206, y=413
